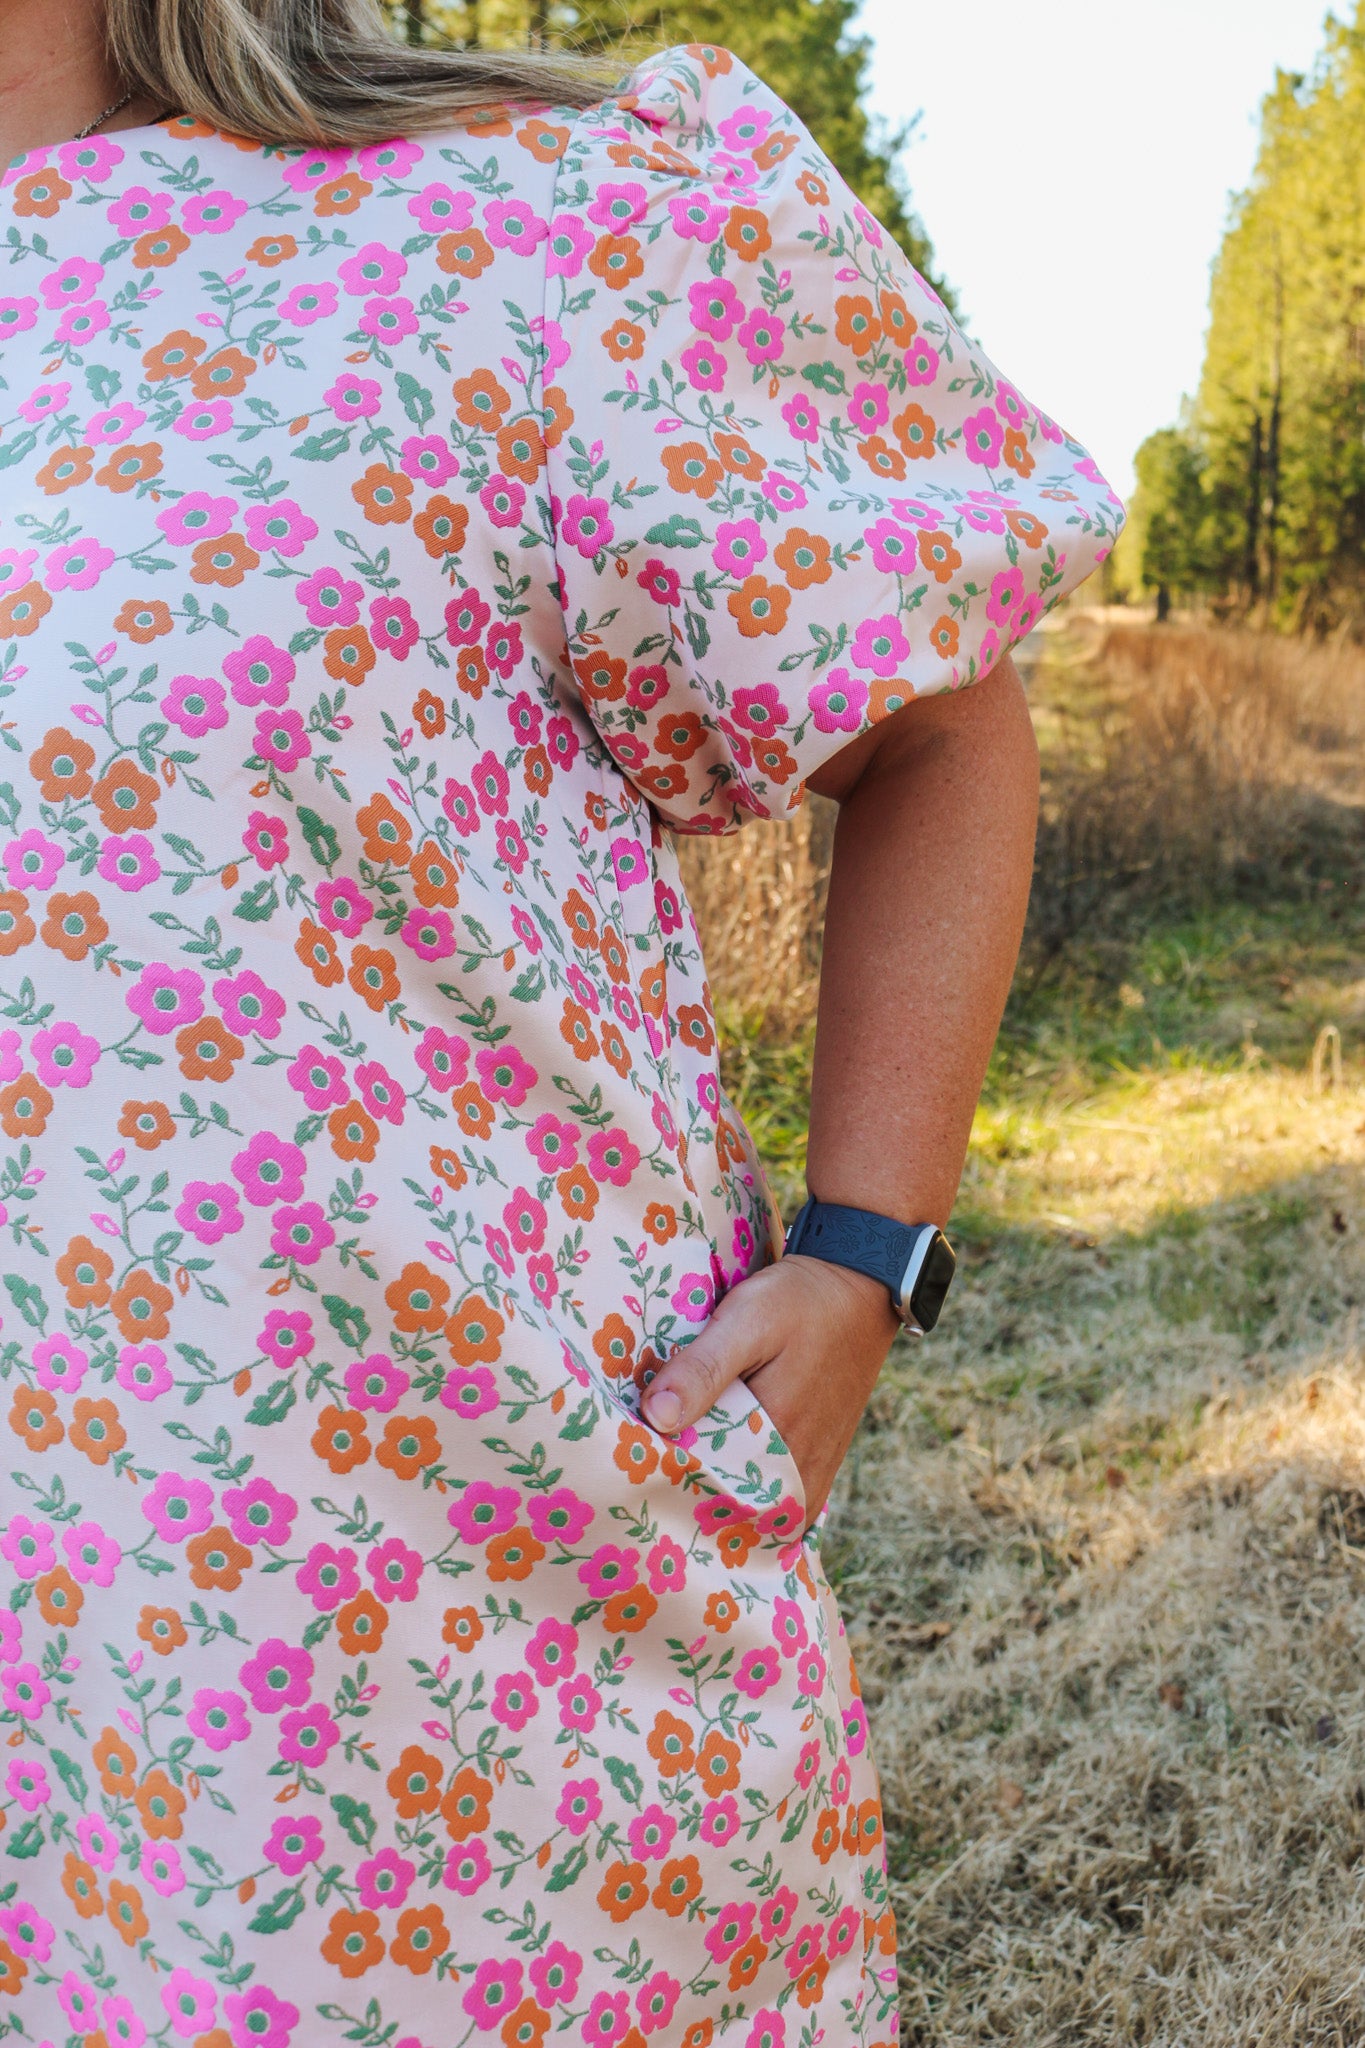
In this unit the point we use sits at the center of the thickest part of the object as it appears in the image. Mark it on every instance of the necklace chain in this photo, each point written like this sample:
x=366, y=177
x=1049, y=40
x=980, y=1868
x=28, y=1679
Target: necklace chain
x=115, y=107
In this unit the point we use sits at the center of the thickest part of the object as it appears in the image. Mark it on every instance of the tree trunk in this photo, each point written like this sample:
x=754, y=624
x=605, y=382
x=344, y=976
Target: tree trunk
x=415, y=20
x=538, y=33
x=1163, y=603
x=1252, y=558
x=1272, y=512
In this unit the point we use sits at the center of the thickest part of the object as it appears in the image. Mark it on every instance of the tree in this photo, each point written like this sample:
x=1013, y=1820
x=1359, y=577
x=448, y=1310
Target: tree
x=1170, y=515
x=806, y=50
x=1278, y=423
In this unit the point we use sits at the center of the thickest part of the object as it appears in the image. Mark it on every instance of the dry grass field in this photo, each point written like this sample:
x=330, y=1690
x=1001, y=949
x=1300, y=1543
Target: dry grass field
x=1102, y=1539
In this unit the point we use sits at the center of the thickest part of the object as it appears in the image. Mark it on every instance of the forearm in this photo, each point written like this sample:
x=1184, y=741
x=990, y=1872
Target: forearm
x=932, y=863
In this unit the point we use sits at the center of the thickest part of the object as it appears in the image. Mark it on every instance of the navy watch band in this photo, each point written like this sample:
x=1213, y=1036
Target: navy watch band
x=914, y=1261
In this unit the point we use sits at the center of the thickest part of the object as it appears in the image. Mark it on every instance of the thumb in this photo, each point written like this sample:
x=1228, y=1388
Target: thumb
x=737, y=1339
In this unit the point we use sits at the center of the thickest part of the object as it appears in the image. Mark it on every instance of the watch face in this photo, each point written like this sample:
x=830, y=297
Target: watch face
x=932, y=1284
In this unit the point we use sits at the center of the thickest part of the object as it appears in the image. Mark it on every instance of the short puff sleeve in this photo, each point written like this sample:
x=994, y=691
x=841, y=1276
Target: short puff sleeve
x=789, y=496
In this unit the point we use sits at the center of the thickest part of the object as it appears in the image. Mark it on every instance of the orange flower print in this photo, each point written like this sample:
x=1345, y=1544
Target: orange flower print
x=223, y=562
x=340, y=1439
x=939, y=556
x=467, y=255
x=417, y=1298
x=474, y=1332
x=66, y=467
x=25, y=1106
x=422, y=1936
x=387, y=832
x=353, y=1131
x=126, y=798
x=348, y=654
x=217, y=1560
x=408, y=1445
x=61, y=765
x=16, y=926
x=147, y=1124
x=747, y=233
x=23, y=611
x=140, y=1305
x=759, y=607
x=803, y=558
x=441, y=526
x=361, y=1624
x=74, y=925
x=40, y=194
x=270, y=251
x=691, y=470
x=463, y=1627
x=481, y=400
x=208, y=1050
x=373, y=974
x=414, y=1784
x=160, y=1806
x=317, y=949
x=383, y=495
x=158, y=250
x=614, y=1343
x=115, y=1760
x=163, y=1631
x=144, y=621
x=670, y=1745
x=174, y=356
x=95, y=1430
x=223, y=374
x=33, y=1416
x=680, y=1882
x=122, y=471
x=353, y=1943
x=340, y=196
x=430, y=532
x=513, y=1555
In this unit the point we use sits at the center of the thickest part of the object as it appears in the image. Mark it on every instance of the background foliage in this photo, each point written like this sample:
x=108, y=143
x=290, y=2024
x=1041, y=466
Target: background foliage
x=1257, y=499
x=806, y=50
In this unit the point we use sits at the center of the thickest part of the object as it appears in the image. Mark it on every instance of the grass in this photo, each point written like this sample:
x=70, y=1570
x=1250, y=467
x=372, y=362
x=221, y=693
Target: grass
x=1101, y=1541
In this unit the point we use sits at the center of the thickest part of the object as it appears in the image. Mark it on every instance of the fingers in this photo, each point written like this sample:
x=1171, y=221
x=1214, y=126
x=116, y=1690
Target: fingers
x=740, y=1336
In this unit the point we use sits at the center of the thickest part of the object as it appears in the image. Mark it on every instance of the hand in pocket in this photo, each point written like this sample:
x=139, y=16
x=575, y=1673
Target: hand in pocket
x=810, y=1339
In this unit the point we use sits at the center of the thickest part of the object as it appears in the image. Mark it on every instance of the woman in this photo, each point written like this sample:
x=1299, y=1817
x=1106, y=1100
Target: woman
x=400, y=539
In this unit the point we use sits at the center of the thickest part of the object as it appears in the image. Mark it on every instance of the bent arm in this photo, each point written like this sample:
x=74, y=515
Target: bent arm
x=933, y=856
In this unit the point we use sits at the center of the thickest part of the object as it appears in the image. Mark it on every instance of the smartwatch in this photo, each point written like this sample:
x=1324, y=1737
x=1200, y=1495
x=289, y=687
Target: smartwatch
x=914, y=1261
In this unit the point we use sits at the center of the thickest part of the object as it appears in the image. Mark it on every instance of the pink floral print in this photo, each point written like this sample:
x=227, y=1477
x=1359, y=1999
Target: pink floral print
x=396, y=546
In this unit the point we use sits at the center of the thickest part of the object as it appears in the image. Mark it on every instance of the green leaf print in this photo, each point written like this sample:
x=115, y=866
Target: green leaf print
x=27, y=1297
x=355, y=1817
x=350, y=1323
x=278, y=1913
x=676, y=532
x=568, y=1870
x=71, y=1775
x=323, y=842
x=417, y=400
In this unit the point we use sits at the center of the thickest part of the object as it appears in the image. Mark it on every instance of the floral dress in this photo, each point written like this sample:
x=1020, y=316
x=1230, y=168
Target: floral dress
x=397, y=546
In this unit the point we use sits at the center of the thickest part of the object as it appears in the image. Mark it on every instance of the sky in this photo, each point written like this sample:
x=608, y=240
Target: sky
x=1073, y=167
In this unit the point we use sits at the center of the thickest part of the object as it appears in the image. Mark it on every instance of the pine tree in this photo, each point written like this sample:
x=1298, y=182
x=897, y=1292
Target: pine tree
x=1277, y=435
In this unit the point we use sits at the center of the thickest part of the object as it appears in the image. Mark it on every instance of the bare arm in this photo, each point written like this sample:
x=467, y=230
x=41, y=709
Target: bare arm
x=932, y=861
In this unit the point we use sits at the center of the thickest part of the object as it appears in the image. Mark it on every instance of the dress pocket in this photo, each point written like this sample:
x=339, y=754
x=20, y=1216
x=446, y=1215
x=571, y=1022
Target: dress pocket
x=743, y=1448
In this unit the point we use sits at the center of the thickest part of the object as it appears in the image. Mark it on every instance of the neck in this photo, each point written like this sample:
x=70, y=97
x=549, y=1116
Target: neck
x=57, y=75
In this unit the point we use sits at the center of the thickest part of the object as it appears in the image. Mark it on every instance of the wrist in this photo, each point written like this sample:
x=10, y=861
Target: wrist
x=912, y=1263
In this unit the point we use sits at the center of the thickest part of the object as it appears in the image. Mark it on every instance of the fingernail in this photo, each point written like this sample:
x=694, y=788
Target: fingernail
x=664, y=1410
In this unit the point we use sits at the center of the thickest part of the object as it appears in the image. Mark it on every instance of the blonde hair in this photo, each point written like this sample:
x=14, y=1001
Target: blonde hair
x=320, y=71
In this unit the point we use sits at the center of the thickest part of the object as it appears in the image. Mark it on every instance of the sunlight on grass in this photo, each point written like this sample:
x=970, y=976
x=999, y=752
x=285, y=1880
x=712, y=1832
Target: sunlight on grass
x=1101, y=1539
